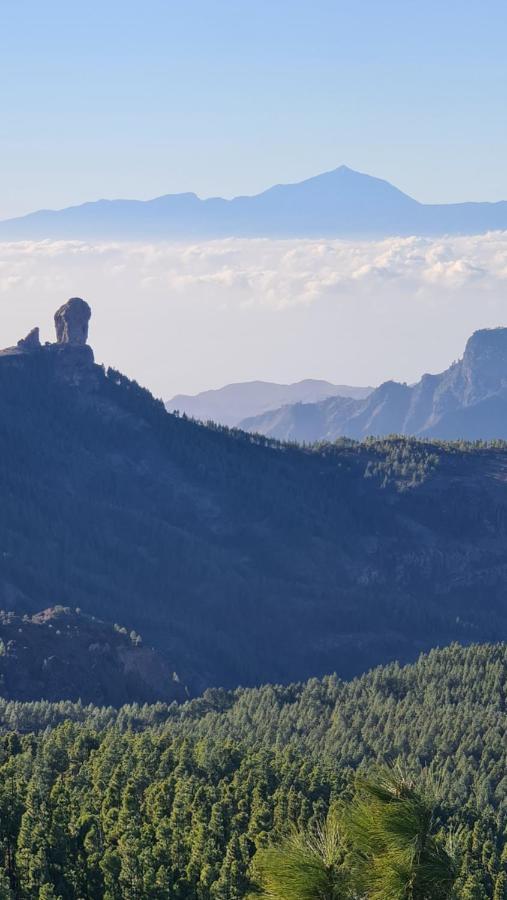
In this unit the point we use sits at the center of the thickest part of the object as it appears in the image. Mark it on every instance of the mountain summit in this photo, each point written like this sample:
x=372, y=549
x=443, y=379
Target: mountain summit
x=468, y=400
x=70, y=357
x=340, y=203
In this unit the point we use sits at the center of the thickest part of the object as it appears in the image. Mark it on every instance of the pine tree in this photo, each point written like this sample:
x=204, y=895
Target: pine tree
x=47, y=892
x=394, y=852
x=500, y=892
x=5, y=886
x=305, y=866
x=473, y=889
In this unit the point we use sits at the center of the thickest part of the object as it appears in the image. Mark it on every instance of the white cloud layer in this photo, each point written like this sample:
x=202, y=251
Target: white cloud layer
x=184, y=317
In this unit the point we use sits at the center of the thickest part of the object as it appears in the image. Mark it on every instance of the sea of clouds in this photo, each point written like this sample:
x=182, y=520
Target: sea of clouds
x=184, y=317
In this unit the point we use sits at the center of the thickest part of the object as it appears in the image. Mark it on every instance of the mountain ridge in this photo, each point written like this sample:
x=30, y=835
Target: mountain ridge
x=230, y=404
x=339, y=203
x=466, y=401
x=240, y=559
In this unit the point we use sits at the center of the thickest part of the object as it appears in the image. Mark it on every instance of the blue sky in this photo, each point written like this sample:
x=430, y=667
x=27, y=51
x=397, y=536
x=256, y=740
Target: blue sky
x=144, y=98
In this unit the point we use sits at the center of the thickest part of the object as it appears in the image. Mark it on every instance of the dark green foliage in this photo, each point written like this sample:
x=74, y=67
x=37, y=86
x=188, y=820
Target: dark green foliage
x=306, y=865
x=381, y=845
x=175, y=801
x=105, y=814
x=394, y=851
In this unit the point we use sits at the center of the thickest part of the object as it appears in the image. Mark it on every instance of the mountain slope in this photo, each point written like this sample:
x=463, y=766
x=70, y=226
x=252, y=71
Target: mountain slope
x=340, y=203
x=467, y=401
x=242, y=560
x=234, y=402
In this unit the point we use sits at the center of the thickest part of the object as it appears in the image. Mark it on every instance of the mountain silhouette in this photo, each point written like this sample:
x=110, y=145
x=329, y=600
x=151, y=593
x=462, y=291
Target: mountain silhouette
x=340, y=203
x=234, y=402
x=468, y=400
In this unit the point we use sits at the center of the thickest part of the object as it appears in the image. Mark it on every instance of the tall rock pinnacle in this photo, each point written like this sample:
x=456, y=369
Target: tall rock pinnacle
x=71, y=322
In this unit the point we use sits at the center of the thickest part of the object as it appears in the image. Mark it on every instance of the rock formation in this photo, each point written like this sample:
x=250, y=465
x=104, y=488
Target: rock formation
x=71, y=322
x=31, y=341
x=70, y=356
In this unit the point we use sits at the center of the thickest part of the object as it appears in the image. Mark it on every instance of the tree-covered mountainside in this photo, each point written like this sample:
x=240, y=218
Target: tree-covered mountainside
x=243, y=560
x=175, y=801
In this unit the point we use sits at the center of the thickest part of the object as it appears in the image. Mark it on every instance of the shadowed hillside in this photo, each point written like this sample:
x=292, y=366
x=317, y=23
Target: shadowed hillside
x=241, y=559
x=60, y=654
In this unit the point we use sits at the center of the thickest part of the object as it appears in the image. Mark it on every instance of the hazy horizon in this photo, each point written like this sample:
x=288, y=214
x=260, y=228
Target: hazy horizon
x=115, y=100
x=182, y=318
x=224, y=195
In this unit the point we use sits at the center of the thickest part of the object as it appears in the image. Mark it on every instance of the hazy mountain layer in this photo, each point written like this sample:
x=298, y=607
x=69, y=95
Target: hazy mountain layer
x=340, y=203
x=468, y=400
x=234, y=402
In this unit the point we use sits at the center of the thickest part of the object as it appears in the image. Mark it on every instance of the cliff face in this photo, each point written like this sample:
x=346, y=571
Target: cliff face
x=71, y=322
x=468, y=400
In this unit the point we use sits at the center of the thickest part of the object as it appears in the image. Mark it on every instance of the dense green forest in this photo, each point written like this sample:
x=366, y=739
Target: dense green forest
x=175, y=801
x=244, y=561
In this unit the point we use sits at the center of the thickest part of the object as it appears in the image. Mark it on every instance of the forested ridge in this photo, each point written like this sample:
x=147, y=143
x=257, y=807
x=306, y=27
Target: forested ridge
x=241, y=559
x=174, y=801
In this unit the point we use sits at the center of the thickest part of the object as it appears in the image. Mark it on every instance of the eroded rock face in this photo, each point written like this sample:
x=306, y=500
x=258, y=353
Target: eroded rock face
x=71, y=322
x=484, y=364
x=31, y=341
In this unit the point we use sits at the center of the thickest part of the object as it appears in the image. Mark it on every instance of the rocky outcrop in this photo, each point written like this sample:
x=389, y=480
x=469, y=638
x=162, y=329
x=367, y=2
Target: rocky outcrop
x=73, y=357
x=71, y=322
x=70, y=357
x=62, y=654
x=25, y=345
x=31, y=341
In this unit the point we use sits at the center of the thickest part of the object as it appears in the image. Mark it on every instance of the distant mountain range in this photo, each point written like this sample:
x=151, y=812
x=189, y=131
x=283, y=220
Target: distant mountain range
x=234, y=402
x=468, y=400
x=340, y=203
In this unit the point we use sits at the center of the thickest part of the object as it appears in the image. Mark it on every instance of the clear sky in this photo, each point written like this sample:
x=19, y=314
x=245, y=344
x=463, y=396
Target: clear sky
x=136, y=99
